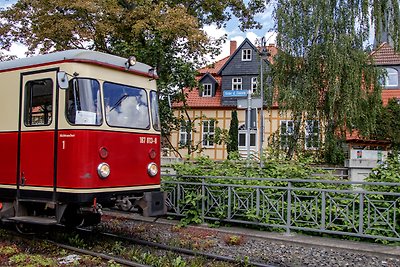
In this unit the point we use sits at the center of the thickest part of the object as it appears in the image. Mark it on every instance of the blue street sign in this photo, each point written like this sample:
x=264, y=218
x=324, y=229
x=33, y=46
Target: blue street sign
x=234, y=93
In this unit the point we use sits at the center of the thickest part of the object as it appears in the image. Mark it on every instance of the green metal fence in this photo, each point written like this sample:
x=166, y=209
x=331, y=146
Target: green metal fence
x=359, y=209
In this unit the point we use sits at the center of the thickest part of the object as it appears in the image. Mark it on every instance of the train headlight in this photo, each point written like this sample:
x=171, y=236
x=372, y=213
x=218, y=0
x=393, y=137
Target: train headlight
x=152, y=169
x=103, y=170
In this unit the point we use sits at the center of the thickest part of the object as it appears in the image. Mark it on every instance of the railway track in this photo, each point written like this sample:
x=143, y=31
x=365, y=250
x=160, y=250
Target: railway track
x=101, y=255
x=155, y=236
x=177, y=250
x=61, y=237
x=277, y=249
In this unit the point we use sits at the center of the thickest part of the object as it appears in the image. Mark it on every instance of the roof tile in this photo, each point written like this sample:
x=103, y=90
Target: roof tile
x=385, y=55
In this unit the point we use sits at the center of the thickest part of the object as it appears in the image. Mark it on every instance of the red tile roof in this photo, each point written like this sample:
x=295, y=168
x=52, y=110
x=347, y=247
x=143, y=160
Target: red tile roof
x=214, y=68
x=385, y=55
x=194, y=99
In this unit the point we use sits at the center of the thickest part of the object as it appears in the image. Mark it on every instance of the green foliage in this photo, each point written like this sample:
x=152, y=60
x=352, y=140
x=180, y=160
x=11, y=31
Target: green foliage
x=77, y=241
x=30, y=260
x=117, y=248
x=112, y=263
x=323, y=71
x=9, y=250
x=341, y=201
x=179, y=262
x=192, y=213
x=333, y=150
x=389, y=123
x=389, y=172
x=204, y=166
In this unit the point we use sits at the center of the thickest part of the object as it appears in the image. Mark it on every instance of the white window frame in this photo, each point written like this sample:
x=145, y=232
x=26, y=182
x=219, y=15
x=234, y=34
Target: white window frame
x=242, y=131
x=310, y=134
x=289, y=132
x=183, y=135
x=207, y=90
x=237, y=83
x=254, y=84
x=391, y=78
x=246, y=54
x=208, y=133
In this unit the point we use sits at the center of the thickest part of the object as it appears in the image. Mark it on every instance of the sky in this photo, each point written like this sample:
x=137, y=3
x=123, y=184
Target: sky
x=232, y=31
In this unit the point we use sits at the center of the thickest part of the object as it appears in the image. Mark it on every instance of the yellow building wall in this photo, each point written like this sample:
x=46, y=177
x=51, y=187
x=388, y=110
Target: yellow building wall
x=272, y=120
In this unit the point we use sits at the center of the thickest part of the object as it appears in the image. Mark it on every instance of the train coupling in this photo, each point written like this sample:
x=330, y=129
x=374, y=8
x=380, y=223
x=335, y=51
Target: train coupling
x=153, y=203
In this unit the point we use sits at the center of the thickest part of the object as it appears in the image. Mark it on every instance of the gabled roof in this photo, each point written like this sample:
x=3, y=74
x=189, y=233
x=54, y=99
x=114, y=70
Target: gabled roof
x=246, y=41
x=385, y=55
x=194, y=100
x=208, y=75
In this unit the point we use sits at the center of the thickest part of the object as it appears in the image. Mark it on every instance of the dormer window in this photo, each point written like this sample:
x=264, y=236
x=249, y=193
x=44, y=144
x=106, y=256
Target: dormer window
x=236, y=83
x=207, y=90
x=246, y=55
x=391, y=78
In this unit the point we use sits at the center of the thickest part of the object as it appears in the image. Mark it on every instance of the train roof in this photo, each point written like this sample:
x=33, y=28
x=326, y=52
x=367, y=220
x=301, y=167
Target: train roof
x=75, y=55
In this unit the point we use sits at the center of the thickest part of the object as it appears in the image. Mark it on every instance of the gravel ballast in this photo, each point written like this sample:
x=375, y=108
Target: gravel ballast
x=276, y=249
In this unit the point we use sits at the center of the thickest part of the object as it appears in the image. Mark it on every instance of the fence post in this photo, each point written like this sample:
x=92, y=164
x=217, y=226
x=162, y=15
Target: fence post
x=361, y=215
x=323, y=210
x=257, y=202
x=178, y=196
x=203, y=199
x=229, y=202
x=289, y=208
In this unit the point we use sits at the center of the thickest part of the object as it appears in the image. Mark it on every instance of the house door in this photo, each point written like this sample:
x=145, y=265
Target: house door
x=37, y=135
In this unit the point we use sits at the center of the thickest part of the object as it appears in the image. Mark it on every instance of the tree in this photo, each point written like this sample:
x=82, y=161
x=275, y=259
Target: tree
x=389, y=124
x=323, y=70
x=165, y=34
x=233, y=134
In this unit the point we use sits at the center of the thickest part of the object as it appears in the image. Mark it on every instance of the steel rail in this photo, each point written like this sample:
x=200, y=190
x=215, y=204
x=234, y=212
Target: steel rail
x=98, y=254
x=79, y=250
x=179, y=250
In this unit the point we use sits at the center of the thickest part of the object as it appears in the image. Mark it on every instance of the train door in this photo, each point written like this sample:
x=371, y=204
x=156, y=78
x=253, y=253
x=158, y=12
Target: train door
x=37, y=150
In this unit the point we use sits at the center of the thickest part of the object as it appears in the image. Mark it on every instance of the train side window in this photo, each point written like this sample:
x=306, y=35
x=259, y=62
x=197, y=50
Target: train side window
x=38, y=102
x=83, y=105
x=155, y=110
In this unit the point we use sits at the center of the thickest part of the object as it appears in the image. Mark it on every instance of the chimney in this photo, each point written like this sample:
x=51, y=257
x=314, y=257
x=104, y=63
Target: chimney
x=233, y=47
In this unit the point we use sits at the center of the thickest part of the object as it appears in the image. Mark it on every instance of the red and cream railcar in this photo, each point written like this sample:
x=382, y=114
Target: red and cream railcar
x=78, y=130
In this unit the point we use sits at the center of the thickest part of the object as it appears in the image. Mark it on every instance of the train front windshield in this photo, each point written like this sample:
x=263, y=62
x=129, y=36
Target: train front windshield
x=124, y=106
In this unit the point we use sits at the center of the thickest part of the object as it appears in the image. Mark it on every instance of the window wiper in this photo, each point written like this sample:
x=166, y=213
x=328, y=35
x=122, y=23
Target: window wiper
x=122, y=98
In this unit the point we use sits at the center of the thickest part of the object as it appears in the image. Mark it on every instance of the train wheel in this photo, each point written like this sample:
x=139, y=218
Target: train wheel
x=126, y=205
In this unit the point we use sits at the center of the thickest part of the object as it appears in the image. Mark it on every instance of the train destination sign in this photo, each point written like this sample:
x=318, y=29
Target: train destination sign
x=234, y=93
